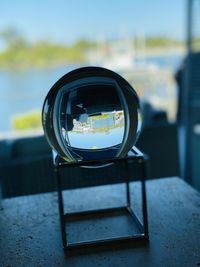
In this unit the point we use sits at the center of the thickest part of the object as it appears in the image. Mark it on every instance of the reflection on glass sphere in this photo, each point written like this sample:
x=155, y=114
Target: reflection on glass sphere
x=91, y=113
x=92, y=121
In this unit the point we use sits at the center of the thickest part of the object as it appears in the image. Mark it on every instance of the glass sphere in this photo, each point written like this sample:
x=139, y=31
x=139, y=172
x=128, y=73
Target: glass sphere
x=91, y=113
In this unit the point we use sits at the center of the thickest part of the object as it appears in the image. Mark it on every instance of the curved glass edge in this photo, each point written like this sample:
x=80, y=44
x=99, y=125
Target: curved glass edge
x=53, y=130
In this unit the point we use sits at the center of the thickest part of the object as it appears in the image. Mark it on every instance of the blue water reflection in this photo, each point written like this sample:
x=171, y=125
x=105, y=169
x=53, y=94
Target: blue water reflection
x=96, y=140
x=105, y=130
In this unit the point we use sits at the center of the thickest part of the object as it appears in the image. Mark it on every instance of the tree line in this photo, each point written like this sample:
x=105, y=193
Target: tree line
x=19, y=52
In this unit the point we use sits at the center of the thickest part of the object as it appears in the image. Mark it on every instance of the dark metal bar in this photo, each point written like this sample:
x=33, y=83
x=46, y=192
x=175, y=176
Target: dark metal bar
x=144, y=200
x=99, y=242
x=134, y=157
x=94, y=212
x=186, y=151
x=128, y=197
x=136, y=219
x=61, y=207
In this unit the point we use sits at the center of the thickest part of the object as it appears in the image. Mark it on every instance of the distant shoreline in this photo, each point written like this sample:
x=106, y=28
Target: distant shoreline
x=139, y=53
x=168, y=51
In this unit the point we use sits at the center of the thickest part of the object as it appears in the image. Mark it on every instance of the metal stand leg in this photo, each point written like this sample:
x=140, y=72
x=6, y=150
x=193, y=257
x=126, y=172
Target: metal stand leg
x=144, y=200
x=61, y=207
x=128, y=196
x=142, y=228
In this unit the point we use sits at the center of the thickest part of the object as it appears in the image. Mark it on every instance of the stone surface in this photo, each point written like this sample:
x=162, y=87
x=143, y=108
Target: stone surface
x=30, y=230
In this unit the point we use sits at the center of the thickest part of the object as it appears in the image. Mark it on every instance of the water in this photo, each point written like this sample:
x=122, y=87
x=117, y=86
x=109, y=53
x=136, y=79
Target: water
x=24, y=91
x=165, y=61
x=97, y=140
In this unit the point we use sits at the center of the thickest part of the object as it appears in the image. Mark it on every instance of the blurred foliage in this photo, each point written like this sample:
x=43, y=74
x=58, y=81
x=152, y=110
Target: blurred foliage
x=20, y=53
x=84, y=45
x=13, y=38
x=161, y=41
x=42, y=54
x=27, y=121
x=196, y=44
x=157, y=41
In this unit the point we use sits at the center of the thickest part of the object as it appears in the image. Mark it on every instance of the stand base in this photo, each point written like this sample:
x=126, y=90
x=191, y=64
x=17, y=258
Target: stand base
x=100, y=223
x=122, y=217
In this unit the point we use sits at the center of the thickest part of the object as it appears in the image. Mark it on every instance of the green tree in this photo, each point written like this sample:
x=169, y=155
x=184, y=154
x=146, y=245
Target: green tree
x=13, y=38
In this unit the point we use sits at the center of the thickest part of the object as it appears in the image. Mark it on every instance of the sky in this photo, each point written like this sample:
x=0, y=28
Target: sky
x=67, y=21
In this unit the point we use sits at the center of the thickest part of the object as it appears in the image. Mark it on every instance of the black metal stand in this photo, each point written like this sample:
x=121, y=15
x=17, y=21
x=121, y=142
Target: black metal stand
x=135, y=156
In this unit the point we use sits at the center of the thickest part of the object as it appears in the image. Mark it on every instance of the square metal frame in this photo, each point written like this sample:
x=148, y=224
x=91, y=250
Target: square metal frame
x=134, y=156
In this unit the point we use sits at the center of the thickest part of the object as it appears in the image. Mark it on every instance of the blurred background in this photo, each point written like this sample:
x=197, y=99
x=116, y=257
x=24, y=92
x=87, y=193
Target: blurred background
x=41, y=41
x=144, y=41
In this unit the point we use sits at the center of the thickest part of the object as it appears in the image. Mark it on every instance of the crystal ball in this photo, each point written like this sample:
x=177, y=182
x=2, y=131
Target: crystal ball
x=91, y=113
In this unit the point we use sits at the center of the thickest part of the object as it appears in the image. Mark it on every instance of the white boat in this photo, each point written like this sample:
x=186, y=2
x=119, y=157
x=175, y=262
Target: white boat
x=120, y=57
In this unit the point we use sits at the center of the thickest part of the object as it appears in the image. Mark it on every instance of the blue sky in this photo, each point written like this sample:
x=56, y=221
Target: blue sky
x=69, y=20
